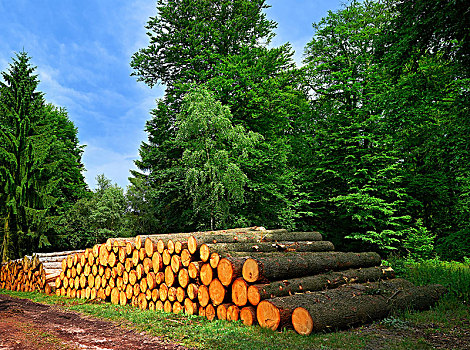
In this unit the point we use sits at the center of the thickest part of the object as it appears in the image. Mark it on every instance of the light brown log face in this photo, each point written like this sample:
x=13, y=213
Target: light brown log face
x=268, y=315
x=176, y=263
x=233, y=313
x=206, y=274
x=179, y=246
x=139, y=269
x=248, y=315
x=155, y=295
x=229, y=269
x=170, y=245
x=203, y=296
x=210, y=312
x=115, y=296
x=250, y=270
x=150, y=247
x=180, y=294
x=192, y=291
x=132, y=277
x=240, y=292
x=177, y=307
x=183, y=278
x=172, y=294
x=142, y=254
x=222, y=311
x=167, y=306
x=148, y=265
x=204, y=252
x=214, y=260
x=157, y=262
x=163, y=292
x=166, y=257
x=190, y=307
x=193, y=269
x=135, y=257
x=302, y=321
x=185, y=257
x=217, y=292
x=169, y=276
x=192, y=244
x=160, y=246
x=151, y=281
x=160, y=277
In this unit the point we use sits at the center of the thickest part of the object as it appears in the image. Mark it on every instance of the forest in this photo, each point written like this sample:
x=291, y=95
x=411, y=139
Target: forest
x=365, y=141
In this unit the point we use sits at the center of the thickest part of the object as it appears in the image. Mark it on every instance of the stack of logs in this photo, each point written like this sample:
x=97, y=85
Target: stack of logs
x=274, y=278
x=33, y=273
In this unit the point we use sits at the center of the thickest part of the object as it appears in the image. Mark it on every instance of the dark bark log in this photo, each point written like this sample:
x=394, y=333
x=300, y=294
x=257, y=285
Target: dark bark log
x=344, y=306
x=225, y=249
x=328, y=280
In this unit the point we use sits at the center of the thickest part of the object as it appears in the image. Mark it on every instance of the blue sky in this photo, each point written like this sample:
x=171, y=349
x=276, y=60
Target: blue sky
x=82, y=51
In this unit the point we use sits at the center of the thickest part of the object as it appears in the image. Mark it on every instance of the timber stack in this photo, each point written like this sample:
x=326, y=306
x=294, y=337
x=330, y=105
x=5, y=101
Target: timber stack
x=273, y=278
x=33, y=273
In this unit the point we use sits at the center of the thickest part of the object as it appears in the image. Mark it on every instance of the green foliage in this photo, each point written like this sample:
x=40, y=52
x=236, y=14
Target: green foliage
x=221, y=45
x=96, y=217
x=213, y=148
x=40, y=162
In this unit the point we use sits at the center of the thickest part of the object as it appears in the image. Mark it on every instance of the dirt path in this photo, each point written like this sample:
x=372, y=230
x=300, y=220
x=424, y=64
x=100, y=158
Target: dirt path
x=28, y=325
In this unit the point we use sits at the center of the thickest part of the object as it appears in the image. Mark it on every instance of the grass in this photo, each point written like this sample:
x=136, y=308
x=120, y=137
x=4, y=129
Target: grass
x=444, y=324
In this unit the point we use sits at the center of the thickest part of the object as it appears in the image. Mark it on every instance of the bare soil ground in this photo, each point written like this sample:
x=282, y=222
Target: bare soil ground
x=28, y=325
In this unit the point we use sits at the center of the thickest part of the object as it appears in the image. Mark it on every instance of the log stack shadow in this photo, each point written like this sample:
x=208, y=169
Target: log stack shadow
x=273, y=278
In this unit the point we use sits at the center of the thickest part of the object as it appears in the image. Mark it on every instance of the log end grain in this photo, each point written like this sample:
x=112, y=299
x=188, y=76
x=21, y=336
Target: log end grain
x=214, y=260
x=250, y=270
x=253, y=295
x=210, y=312
x=268, y=315
x=204, y=252
x=206, y=274
x=203, y=296
x=192, y=244
x=240, y=292
x=302, y=321
x=217, y=292
x=248, y=315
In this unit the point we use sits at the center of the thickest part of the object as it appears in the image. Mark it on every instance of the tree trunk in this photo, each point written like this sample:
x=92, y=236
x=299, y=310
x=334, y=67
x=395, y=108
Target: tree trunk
x=278, y=266
x=224, y=249
x=329, y=280
x=343, y=306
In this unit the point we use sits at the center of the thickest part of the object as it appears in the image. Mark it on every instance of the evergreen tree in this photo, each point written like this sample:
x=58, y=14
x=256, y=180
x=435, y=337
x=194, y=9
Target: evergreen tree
x=32, y=148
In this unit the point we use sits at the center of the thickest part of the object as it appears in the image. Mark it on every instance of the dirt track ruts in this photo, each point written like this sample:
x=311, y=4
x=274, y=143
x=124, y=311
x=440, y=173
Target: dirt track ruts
x=25, y=324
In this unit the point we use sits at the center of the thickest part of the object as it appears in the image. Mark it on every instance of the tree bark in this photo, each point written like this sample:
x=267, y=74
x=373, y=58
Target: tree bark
x=329, y=280
x=278, y=266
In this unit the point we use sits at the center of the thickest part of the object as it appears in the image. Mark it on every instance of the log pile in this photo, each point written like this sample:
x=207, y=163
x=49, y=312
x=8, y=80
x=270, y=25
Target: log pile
x=33, y=273
x=273, y=278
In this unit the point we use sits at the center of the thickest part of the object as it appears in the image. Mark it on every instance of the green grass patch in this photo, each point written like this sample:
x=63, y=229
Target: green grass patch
x=455, y=276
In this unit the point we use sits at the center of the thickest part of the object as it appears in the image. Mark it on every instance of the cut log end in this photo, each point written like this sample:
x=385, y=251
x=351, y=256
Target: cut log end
x=248, y=315
x=250, y=270
x=302, y=321
x=268, y=315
